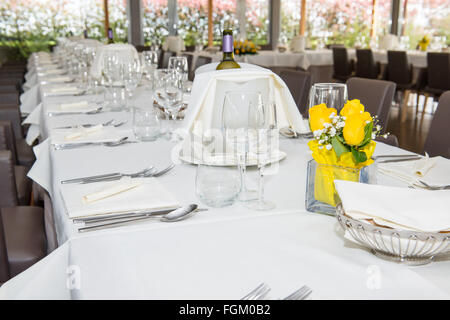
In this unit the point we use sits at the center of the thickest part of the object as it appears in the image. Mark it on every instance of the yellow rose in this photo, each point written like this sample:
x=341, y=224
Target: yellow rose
x=319, y=115
x=354, y=128
x=352, y=107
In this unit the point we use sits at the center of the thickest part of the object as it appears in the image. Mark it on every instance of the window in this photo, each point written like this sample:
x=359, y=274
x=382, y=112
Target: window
x=155, y=21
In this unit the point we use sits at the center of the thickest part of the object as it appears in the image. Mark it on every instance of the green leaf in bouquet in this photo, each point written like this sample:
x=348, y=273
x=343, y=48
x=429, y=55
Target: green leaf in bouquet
x=359, y=156
x=367, y=134
x=338, y=146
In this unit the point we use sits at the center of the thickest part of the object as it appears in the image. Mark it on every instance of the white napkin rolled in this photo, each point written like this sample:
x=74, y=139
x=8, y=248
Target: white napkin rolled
x=121, y=196
x=58, y=79
x=50, y=72
x=64, y=89
x=83, y=132
x=399, y=208
x=74, y=105
x=208, y=91
x=433, y=171
x=110, y=191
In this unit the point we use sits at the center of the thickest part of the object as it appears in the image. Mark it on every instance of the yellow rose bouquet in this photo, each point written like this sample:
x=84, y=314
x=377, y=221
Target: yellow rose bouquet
x=343, y=144
x=245, y=47
x=423, y=43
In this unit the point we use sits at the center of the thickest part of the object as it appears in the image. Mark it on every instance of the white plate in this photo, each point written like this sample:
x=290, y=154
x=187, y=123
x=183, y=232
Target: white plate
x=229, y=159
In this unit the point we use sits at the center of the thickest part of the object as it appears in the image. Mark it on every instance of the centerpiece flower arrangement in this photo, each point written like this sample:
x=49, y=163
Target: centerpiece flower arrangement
x=343, y=144
x=245, y=47
x=423, y=43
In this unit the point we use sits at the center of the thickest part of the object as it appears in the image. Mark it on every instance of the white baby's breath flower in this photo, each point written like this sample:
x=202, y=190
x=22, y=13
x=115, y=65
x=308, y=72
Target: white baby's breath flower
x=367, y=121
x=320, y=147
x=373, y=135
x=332, y=115
x=328, y=146
x=332, y=132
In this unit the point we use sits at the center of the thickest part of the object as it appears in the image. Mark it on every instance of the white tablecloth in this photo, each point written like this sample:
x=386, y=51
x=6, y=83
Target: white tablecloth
x=220, y=253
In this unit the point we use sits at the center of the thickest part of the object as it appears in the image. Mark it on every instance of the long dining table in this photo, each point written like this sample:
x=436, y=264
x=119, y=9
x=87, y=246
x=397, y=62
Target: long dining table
x=220, y=253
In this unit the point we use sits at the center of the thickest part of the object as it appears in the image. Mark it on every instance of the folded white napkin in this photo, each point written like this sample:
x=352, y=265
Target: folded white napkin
x=399, y=208
x=433, y=171
x=116, y=196
x=61, y=90
x=208, y=92
x=57, y=79
x=124, y=51
x=83, y=132
x=74, y=105
x=50, y=72
x=98, y=134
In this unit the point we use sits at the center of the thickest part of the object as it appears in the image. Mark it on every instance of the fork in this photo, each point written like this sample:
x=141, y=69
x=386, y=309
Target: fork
x=430, y=187
x=95, y=111
x=300, y=294
x=109, y=175
x=258, y=293
x=88, y=144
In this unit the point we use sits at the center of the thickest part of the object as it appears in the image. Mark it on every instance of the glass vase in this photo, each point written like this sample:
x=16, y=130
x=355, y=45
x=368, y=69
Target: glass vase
x=321, y=195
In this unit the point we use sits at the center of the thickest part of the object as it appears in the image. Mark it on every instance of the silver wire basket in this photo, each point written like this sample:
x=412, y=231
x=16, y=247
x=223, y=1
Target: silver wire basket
x=403, y=246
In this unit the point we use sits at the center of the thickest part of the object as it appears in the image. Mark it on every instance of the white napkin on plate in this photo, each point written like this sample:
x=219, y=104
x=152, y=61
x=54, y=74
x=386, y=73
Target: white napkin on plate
x=61, y=90
x=74, y=105
x=208, y=91
x=83, y=132
x=50, y=72
x=433, y=171
x=58, y=79
x=125, y=195
x=399, y=208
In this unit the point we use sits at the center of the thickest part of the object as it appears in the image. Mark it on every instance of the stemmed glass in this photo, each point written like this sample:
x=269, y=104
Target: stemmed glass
x=132, y=74
x=169, y=94
x=149, y=61
x=180, y=65
x=334, y=95
x=112, y=72
x=263, y=141
x=235, y=127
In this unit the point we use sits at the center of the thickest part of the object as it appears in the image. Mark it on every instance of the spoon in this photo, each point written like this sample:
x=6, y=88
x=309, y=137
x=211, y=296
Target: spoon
x=289, y=133
x=173, y=216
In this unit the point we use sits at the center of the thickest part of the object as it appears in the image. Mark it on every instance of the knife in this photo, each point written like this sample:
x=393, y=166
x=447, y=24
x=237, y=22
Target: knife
x=400, y=160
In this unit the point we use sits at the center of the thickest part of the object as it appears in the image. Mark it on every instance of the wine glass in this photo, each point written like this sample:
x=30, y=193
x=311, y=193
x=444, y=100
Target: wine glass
x=334, y=95
x=169, y=95
x=263, y=135
x=132, y=74
x=179, y=64
x=149, y=60
x=235, y=127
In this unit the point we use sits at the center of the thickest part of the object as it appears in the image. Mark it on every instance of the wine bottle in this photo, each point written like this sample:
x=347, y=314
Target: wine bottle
x=110, y=36
x=228, y=51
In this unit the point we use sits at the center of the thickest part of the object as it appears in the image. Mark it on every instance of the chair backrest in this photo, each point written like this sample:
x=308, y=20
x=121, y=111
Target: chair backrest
x=140, y=48
x=8, y=191
x=11, y=112
x=390, y=140
x=4, y=263
x=9, y=97
x=7, y=136
x=298, y=83
x=201, y=60
x=365, y=64
x=165, y=58
x=438, y=70
x=341, y=64
x=375, y=95
x=438, y=139
x=398, y=69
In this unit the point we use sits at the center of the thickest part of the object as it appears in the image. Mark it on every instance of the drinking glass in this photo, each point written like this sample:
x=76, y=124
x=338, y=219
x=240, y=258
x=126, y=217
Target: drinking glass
x=263, y=141
x=179, y=64
x=334, y=95
x=217, y=186
x=146, y=124
x=132, y=74
x=169, y=95
x=149, y=61
x=235, y=127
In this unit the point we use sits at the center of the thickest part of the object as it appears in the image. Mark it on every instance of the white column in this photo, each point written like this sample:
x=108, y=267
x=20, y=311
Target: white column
x=240, y=13
x=134, y=14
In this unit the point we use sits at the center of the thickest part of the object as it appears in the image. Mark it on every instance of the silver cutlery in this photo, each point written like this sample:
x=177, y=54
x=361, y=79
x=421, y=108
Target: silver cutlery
x=300, y=294
x=89, y=144
x=163, y=171
x=95, y=111
x=148, y=174
x=290, y=133
x=258, y=293
x=173, y=216
x=400, y=160
x=434, y=187
x=394, y=156
x=109, y=175
x=87, y=125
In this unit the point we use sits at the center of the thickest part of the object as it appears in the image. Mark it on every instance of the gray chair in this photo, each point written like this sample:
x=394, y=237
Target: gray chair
x=298, y=83
x=201, y=60
x=343, y=68
x=22, y=239
x=22, y=153
x=438, y=139
x=164, y=61
x=365, y=64
x=390, y=140
x=189, y=58
x=375, y=95
x=9, y=97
